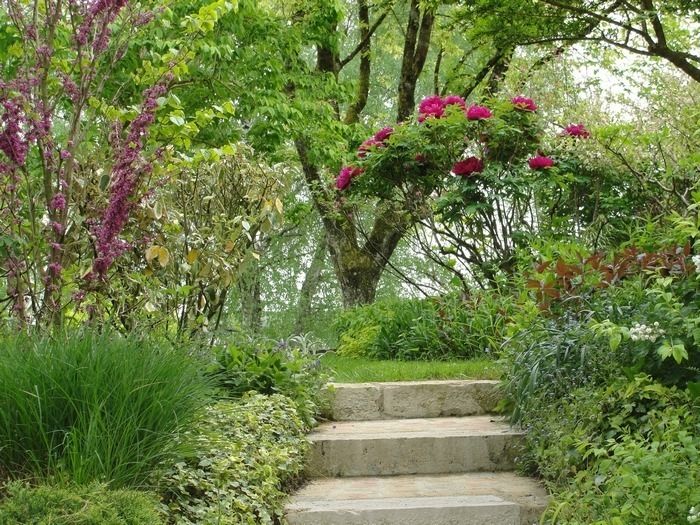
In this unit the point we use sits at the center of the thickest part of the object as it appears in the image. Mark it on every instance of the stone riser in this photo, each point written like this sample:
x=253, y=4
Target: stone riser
x=373, y=401
x=469, y=510
x=412, y=455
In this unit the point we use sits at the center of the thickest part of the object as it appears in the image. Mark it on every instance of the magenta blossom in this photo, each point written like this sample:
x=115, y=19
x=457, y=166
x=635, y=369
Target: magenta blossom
x=378, y=140
x=57, y=227
x=367, y=146
x=54, y=269
x=127, y=171
x=540, y=162
x=468, y=167
x=383, y=134
x=454, y=100
x=524, y=103
x=12, y=141
x=432, y=106
x=347, y=173
x=578, y=131
x=58, y=202
x=478, y=113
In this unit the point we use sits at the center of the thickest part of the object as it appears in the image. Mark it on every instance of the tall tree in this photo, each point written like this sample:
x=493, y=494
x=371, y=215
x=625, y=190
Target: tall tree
x=653, y=28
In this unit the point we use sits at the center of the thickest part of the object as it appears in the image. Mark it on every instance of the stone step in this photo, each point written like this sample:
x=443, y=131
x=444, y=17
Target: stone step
x=454, y=499
x=411, y=399
x=412, y=446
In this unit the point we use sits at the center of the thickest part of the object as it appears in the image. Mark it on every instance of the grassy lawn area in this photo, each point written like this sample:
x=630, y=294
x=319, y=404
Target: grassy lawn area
x=360, y=370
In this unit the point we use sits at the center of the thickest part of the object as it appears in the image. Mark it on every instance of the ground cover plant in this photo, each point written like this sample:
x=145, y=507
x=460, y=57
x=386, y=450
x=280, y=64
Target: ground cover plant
x=245, y=455
x=77, y=505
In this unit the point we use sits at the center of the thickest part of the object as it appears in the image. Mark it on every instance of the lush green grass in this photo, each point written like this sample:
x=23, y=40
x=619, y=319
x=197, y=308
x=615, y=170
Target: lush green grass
x=93, y=407
x=359, y=370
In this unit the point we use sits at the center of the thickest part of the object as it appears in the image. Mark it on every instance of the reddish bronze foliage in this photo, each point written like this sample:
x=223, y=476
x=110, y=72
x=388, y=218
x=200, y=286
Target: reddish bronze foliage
x=558, y=280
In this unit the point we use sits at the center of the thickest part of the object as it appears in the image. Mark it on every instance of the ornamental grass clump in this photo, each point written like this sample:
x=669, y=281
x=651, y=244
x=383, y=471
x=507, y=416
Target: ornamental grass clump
x=88, y=407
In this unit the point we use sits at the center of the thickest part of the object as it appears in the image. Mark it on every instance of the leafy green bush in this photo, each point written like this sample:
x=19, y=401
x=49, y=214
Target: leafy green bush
x=287, y=367
x=620, y=331
x=429, y=329
x=244, y=455
x=628, y=453
x=94, y=407
x=76, y=505
x=662, y=334
x=550, y=358
x=568, y=434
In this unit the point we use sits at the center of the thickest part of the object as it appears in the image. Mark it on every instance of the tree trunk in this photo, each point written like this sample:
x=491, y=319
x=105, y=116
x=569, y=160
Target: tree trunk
x=360, y=262
x=310, y=285
x=250, y=300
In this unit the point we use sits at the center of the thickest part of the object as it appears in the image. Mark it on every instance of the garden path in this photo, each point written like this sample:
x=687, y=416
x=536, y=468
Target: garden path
x=415, y=453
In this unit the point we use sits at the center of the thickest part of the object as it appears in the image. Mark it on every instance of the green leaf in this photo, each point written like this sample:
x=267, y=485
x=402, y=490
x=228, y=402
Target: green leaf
x=177, y=120
x=675, y=350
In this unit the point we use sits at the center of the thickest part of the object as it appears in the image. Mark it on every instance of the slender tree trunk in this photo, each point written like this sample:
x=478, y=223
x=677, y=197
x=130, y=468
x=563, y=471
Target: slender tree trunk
x=310, y=285
x=250, y=300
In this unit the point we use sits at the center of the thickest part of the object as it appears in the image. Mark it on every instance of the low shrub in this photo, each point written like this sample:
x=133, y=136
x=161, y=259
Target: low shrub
x=646, y=325
x=283, y=367
x=550, y=358
x=438, y=328
x=90, y=407
x=77, y=505
x=244, y=455
x=628, y=453
x=567, y=435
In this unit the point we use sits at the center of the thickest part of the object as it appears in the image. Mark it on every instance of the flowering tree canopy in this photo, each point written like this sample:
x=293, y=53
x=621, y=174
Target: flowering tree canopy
x=449, y=137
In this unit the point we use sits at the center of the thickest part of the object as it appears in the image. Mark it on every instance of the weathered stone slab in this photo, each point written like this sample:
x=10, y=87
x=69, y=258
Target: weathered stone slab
x=411, y=399
x=412, y=446
x=460, y=510
x=527, y=493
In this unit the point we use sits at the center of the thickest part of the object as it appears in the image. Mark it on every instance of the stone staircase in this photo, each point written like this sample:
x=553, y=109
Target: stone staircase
x=415, y=453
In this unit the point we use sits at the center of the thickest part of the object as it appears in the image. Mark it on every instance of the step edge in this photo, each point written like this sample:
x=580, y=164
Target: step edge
x=420, y=502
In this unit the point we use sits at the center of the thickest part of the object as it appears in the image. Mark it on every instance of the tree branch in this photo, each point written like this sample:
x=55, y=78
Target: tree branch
x=366, y=34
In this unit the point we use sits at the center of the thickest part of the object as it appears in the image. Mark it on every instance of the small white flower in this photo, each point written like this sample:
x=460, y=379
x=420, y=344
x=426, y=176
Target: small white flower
x=642, y=332
x=696, y=261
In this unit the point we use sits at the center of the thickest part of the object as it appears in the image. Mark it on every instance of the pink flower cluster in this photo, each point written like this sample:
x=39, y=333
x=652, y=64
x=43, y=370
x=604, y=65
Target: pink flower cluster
x=100, y=14
x=347, y=173
x=478, y=113
x=540, y=162
x=524, y=103
x=378, y=140
x=127, y=171
x=434, y=107
x=578, y=131
x=468, y=167
x=12, y=140
x=58, y=202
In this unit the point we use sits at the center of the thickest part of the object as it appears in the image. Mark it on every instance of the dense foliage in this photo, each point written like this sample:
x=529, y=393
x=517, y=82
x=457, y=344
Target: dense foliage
x=608, y=385
x=288, y=367
x=506, y=179
x=245, y=455
x=450, y=327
